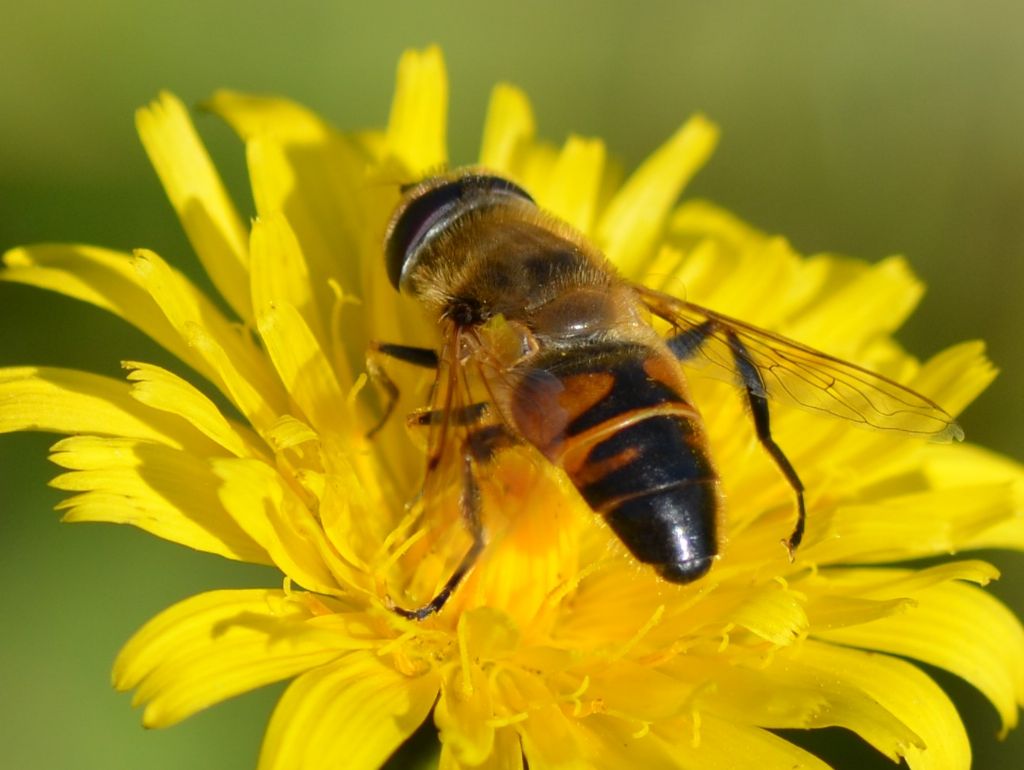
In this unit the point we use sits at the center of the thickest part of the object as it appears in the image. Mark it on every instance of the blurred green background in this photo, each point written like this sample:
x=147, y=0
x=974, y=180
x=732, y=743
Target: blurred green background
x=865, y=128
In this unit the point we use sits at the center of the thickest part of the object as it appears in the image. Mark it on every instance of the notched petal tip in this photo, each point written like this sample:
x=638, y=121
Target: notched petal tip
x=508, y=130
x=166, y=103
x=954, y=378
x=417, y=127
x=16, y=257
x=630, y=225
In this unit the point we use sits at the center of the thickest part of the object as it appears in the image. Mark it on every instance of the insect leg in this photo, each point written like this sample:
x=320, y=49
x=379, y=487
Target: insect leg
x=686, y=344
x=424, y=357
x=469, y=503
x=464, y=415
x=488, y=440
x=750, y=377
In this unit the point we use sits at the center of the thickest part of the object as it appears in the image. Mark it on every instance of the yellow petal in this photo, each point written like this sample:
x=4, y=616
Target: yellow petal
x=814, y=685
x=910, y=526
x=874, y=301
x=828, y=611
x=550, y=741
x=824, y=450
x=508, y=128
x=198, y=195
x=903, y=582
x=350, y=714
x=65, y=401
x=751, y=284
x=252, y=116
x=272, y=514
x=507, y=754
x=100, y=277
x=486, y=633
x=892, y=704
x=609, y=743
x=713, y=258
x=639, y=596
x=571, y=193
x=637, y=691
x=160, y=389
x=536, y=165
x=356, y=513
x=463, y=715
x=416, y=134
x=241, y=371
x=316, y=179
x=950, y=625
x=289, y=432
x=548, y=736
x=167, y=492
x=304, y=369
x=769, y=610
x=280, y=273
x=956, y=465
x=719, y=744
x=753, y=696
x=773, y=612
x=956, y=376
x=216, y=645
x=964, y=465
x=635, y=218
x=696, y=221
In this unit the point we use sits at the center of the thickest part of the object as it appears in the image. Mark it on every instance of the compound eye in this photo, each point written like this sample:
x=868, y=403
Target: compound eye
x=429, y=211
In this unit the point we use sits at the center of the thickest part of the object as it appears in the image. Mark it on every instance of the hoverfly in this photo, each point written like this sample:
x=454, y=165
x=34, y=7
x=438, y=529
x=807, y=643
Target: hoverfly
x=579, y=372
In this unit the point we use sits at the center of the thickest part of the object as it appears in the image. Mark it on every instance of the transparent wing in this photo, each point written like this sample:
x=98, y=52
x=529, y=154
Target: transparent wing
x=450, y=496
x=793, y=373
x=446, y=422
x=462, y=420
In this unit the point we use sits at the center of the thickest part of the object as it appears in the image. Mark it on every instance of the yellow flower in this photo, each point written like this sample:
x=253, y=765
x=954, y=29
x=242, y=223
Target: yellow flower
x=558, y=647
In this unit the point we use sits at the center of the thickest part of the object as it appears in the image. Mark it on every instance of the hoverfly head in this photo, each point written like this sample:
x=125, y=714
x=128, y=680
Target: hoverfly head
x=431, y=207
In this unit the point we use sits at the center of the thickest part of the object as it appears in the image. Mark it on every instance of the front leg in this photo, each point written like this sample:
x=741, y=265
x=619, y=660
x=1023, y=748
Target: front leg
x=423, y=357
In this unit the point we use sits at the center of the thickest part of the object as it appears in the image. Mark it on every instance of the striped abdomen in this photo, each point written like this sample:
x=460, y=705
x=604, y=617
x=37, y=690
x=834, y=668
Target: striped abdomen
x=616, y=418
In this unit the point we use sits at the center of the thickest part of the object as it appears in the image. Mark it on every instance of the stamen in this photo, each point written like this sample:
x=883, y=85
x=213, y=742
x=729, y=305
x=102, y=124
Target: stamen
x=522, y=716
x=394, y=644
x=411, y=514
x=464, y=663
x=356, y=389
x=340, y=300
x=584, y=686
x=316, y=606
x=640, y=634
x=574, y=698
x=724, y=645
x=559, y=593
x=399, y=552
x=645, y=728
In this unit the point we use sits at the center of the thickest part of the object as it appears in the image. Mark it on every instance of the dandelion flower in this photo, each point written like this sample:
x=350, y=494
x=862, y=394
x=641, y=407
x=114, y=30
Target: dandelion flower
x=558, y=650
